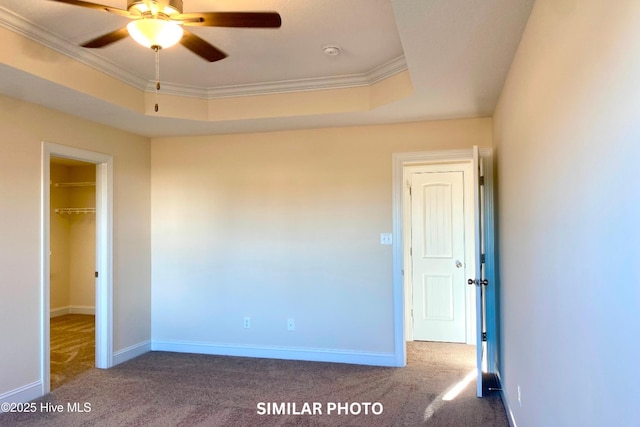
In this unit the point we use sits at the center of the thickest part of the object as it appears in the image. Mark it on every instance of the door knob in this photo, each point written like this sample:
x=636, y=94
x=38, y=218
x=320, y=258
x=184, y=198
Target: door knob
x=458, y=264
x=478, y=282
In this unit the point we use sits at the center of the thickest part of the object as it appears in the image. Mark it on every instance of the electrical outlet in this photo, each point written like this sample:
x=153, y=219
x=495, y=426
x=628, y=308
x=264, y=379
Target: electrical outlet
x=291, y=325
x=519, y=396
x=247, y=322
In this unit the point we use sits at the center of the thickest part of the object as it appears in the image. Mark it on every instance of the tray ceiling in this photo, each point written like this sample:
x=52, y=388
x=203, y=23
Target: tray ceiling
x=456, y=52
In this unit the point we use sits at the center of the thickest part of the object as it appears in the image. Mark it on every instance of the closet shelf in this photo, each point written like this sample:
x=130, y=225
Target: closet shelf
x=70, y=211
x=74, y=184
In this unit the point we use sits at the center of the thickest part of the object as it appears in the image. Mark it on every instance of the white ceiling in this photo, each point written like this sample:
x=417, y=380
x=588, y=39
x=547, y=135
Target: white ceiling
x=457, y=52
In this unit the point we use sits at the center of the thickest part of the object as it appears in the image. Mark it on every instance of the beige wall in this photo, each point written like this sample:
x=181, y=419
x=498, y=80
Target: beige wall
x=83, y=239
x=567, y=141
x=282, y=225
x=60, y=254
x=23, y=127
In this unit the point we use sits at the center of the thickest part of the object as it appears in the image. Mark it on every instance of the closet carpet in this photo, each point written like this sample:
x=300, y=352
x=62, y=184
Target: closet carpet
x=72, y=338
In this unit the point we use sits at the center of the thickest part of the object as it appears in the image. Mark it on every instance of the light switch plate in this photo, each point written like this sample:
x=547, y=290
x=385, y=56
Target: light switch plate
x=386, y=238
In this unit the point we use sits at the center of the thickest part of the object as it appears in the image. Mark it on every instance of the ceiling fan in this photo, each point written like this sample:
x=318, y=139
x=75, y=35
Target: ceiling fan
x=159, y=24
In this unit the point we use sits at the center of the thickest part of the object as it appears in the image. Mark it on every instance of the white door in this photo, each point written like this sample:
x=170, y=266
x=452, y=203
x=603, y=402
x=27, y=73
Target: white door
x=438, y=256
x=479, y=279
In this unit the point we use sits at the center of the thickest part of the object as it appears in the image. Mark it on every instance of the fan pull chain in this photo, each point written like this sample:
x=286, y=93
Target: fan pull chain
x=157, y=50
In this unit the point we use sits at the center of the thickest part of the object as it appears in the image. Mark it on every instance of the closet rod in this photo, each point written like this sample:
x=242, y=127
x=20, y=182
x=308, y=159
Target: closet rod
x=63, y=211
x=74, y=184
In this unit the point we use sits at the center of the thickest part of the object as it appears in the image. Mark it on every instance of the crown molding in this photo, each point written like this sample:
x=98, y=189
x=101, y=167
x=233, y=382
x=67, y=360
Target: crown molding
x=378, y=74
x=28, y=29
x=24, y=27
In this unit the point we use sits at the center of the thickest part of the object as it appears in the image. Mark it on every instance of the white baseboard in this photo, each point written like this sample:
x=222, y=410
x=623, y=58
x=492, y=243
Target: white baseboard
x=312, y=355
x=131, y=352
x=60, y=311
x=505, y=402
x=81, y=309
x=72, y=309
x=22, y=394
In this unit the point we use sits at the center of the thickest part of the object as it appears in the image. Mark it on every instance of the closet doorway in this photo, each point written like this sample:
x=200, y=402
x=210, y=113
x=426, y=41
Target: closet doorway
x=72, y=258
x=76, y=299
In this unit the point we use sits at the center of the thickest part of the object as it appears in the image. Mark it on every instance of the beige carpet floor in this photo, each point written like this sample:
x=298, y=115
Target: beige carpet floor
x=172, y=389
x=72, y=339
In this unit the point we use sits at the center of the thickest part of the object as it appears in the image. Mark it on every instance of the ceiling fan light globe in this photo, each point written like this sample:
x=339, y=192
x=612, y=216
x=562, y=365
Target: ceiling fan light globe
x=153, y=32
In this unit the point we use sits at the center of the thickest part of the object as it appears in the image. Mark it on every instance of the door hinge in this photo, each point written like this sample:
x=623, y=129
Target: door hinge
x=484, y=336
x=482, y=258
x=482, y=180
x=410, y=251
x=96, y=274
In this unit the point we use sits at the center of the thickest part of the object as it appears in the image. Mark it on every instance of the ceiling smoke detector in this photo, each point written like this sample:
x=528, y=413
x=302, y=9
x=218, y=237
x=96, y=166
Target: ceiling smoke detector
x=331, y=50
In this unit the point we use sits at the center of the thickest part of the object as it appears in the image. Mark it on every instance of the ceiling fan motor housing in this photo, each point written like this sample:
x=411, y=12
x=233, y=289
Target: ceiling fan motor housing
x=167, y=7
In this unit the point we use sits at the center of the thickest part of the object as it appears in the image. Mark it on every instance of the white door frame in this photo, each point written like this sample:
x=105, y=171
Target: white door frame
x=470, y=305
x=400, y=161
x=104, y=254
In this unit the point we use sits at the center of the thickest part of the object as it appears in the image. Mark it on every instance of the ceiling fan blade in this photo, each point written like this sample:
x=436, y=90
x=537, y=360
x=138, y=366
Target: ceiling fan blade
x=232, y=19
x=106, y=39
x=201, y=47
x=96, y=6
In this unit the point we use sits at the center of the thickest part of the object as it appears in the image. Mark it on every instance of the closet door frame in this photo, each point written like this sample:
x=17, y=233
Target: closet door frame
x=104, y=254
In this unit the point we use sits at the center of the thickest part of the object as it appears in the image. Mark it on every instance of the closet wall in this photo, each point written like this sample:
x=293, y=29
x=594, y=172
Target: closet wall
x=72, y=238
